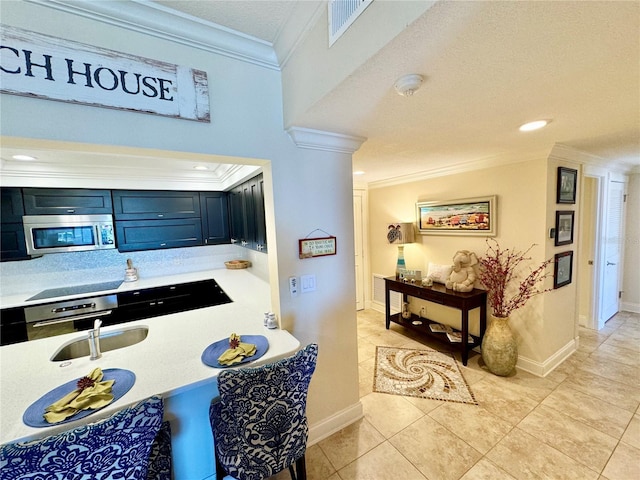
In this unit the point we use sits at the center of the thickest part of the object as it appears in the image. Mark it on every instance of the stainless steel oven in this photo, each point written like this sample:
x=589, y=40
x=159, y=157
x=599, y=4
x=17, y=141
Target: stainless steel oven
x=57, y=318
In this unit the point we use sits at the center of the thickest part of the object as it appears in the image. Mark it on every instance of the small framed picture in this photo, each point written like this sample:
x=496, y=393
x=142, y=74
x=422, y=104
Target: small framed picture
x=567, y=182
x=563, y=265
x=564, y=227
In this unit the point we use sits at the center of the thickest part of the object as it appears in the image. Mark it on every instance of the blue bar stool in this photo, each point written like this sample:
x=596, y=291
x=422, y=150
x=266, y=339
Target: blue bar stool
x=133, y=443
x=259, y=422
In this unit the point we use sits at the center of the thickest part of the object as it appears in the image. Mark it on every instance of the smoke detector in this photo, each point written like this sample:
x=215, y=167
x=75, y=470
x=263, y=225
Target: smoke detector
x=408, y=84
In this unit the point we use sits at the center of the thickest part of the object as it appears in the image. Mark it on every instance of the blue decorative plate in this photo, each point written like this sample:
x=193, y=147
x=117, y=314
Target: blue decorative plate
x=33, y=416
x=212, y=352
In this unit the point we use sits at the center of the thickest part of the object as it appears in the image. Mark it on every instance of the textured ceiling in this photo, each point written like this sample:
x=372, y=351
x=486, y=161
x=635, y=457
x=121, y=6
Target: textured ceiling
x=488, y=68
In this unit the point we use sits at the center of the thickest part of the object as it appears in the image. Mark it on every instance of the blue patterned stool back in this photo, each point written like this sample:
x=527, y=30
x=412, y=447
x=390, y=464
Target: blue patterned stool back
x=259, y=422
x=115, y=448
x=160, y=463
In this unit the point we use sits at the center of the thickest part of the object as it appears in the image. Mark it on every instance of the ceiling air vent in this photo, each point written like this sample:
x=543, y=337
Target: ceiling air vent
x=342, y=13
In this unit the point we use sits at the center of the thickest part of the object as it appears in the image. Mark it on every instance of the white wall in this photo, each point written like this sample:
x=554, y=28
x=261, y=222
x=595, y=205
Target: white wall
x=306, y=189
x=561, y=306
x=305, y=83
x=587, y=249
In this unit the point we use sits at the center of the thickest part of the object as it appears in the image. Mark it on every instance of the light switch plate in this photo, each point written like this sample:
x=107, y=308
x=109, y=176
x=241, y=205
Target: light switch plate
x=308, y=283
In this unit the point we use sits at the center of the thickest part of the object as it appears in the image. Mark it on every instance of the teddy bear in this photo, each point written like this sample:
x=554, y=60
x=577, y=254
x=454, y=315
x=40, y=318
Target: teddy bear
x=463, y=275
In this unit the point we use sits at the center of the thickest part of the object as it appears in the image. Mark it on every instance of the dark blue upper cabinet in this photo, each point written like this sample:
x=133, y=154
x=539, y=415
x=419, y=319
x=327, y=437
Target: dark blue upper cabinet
x=246, y=205
x=237, y=221
x=11, y=204
x=215, y=217
x=154, y=219
x=259, y=215
x=150, y=205
x=66, y=201
x=12, y=243
x=135, y=235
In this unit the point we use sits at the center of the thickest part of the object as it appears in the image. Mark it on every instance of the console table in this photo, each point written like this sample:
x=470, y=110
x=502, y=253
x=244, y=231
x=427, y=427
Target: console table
x=439, y=294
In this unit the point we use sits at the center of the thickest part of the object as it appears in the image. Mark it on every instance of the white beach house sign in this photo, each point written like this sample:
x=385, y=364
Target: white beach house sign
x=36, y=65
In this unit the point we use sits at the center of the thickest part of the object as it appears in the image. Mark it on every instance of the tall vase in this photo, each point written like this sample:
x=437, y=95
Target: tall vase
x=499, y=347
x=400, y=266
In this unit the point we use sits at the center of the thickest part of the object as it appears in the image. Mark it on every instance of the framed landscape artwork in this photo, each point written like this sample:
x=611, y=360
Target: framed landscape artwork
x=468, y=216
x=564, y=227
x=563, y=264
x=567, y=182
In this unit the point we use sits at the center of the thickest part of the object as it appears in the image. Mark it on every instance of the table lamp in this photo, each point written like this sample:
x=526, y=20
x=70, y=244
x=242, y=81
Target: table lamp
x=400, y=234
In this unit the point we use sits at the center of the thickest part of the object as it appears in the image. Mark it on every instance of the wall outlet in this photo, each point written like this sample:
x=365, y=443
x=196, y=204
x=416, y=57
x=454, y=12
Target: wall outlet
x=423, y=312
x=293, y=286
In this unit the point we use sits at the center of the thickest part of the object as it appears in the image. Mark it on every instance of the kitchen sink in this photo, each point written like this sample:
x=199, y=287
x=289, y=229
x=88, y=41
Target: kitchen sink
x=79, y=347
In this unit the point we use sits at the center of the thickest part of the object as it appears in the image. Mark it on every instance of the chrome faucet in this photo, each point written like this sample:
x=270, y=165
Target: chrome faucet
x=94, y=340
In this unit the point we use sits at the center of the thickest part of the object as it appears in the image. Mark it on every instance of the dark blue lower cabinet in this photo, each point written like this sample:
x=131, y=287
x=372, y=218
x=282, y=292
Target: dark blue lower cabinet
x=153, y=302
x=13, y=327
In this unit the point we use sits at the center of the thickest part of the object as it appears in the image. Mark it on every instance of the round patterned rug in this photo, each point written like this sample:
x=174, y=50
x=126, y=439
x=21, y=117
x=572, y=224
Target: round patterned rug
x=420, y=373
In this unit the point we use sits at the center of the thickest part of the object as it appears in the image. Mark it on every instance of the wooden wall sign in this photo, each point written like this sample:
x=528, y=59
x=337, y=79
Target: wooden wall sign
x=316, y=247
x=36, y=65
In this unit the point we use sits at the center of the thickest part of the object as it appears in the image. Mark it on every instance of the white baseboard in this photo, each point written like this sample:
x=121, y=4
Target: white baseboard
x=551, y=363
x=630, y=307
x=582, y=320
x=378, y=307
x=327, y=427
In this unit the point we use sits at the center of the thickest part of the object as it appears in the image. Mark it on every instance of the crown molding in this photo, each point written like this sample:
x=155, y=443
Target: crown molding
x=153, y=19
x=302, y=20
x=132, y=180
x=462, y=167
x=325, y=141
x=571, y=154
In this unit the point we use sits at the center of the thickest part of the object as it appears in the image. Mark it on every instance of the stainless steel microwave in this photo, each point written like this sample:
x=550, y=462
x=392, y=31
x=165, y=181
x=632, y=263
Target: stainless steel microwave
x=67, y=233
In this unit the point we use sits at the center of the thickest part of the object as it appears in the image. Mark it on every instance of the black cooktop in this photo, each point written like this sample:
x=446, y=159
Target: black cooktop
x=76, y=290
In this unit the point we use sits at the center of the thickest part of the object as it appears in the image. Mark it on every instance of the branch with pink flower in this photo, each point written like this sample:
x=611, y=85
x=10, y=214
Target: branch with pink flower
x=500, y=271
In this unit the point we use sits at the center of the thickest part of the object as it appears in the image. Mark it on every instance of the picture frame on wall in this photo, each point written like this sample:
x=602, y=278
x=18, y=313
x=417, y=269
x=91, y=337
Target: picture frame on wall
x=563, y=268
x=468, y=216
x=567, y=184
x=564, y=227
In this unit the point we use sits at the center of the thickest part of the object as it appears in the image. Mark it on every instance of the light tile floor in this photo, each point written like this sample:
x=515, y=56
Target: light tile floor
x=580, y=422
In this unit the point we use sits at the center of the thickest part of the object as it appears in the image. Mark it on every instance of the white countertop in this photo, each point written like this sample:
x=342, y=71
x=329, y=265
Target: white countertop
x=166, y=362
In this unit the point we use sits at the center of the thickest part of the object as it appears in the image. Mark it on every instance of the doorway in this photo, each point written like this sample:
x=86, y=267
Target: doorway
x=612, y=250
x=601, y=248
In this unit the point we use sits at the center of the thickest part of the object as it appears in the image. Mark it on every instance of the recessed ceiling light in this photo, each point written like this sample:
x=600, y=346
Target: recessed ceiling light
x=201, y=167
x=529, y=127
x=358, y=172
x=23, y=157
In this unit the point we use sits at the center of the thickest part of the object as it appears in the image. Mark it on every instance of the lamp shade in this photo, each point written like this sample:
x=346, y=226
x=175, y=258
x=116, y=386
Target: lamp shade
x=400, y=233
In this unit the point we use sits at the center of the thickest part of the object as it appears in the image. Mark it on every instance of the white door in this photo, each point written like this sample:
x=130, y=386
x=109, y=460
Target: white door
x=612, y=250
x=357, y=226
